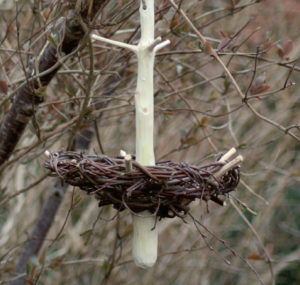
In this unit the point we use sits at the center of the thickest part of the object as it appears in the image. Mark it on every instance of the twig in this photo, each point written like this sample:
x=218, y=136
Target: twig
x=258, y=238
x=23, y=109
x=253, y=76
x=236, y=161
x=128, y=162
x=198, y=223
x=212, y=52
x=25, y=189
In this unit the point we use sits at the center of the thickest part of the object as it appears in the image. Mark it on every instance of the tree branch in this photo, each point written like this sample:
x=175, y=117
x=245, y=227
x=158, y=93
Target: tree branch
x=47, y=215
x=30, y=95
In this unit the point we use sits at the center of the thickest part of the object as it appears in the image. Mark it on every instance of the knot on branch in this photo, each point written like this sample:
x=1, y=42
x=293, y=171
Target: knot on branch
x=165, y=189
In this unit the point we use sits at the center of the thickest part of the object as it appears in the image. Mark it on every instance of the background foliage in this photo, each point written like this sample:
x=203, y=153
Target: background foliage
x=198, y=113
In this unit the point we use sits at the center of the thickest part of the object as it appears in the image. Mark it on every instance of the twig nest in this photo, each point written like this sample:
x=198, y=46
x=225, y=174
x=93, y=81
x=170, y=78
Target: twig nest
x=165, y=189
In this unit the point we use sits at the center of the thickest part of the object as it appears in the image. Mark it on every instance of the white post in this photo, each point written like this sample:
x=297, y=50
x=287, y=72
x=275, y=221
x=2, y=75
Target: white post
x=145, y=236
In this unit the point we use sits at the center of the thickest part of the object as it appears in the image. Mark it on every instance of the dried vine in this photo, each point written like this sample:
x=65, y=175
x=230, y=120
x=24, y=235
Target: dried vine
x=165, y=189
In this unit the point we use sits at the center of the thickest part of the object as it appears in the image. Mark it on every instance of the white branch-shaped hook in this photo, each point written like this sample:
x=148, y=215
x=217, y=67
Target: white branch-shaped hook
x=161, y=45
x=132, y=48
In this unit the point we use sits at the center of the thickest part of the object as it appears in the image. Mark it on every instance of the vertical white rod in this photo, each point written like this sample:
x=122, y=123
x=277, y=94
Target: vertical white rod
x=145, y=238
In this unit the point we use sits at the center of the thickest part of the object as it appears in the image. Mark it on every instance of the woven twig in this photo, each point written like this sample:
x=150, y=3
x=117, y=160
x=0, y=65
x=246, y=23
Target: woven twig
x=165, y=189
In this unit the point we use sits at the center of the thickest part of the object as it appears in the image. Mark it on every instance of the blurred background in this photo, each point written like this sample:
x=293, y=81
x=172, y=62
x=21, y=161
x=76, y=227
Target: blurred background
x=198, y=114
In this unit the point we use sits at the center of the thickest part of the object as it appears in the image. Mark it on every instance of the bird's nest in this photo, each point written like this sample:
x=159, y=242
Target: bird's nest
x=165, y=189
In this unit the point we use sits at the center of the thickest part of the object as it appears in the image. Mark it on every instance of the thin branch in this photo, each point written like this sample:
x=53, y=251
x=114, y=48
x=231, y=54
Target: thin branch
x=25, y=189
x=212, y=52
x=115, y=43
x=29, y=96
x=269, y=259
x=43, y=224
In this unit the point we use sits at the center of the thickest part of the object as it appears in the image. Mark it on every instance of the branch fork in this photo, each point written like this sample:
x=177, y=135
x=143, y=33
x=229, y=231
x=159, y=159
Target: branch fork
x=154, y=46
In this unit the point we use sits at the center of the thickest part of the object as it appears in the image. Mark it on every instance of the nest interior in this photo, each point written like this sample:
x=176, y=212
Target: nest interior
x=165, y=189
